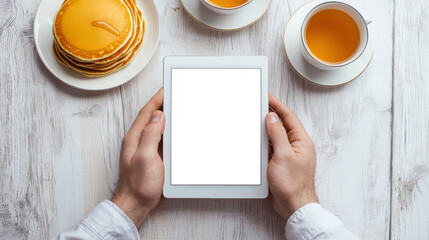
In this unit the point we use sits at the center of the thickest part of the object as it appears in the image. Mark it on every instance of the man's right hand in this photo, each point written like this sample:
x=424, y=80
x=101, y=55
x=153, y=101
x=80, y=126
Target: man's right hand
x=293, y=163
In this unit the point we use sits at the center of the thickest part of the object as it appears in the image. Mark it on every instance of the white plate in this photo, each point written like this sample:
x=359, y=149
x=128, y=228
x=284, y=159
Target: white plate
x=44, y=38
x=248, y=15
x=331, y=78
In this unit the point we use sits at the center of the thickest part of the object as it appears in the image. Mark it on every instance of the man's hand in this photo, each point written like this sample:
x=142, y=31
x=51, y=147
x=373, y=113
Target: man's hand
x=293, y=163
x=141, y=176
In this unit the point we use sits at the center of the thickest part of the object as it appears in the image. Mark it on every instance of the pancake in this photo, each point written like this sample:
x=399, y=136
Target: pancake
x=93, y=29
x=96, y=47
x=126, y=50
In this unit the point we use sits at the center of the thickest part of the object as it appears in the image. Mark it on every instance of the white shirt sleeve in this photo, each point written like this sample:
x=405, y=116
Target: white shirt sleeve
x=106, y=221
x=312, y=222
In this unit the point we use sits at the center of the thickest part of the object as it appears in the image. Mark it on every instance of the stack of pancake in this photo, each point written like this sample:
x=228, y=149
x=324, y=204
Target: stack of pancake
x=97, y=37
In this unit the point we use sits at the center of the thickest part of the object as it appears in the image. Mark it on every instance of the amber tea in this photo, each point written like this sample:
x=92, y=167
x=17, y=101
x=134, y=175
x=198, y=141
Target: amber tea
x=332, y=36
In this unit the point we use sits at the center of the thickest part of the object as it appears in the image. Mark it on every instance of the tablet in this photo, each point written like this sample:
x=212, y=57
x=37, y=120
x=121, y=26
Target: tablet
x=215, y=144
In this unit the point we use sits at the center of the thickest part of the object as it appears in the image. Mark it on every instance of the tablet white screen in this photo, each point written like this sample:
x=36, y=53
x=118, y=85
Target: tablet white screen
x=216, y=127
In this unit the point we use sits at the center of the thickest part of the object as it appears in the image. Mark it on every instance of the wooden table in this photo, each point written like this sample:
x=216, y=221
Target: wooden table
x=59, y=146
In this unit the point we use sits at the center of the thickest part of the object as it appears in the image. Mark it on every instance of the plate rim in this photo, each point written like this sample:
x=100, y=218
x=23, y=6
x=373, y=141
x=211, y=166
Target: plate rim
x=36, y=30
x=306, y=79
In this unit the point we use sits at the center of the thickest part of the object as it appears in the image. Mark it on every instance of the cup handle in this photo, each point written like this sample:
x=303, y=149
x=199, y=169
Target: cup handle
x=368, y=20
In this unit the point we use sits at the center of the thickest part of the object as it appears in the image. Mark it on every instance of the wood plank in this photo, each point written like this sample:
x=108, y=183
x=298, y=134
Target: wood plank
x=410, y=163
x=351, y=128
x=59, y=145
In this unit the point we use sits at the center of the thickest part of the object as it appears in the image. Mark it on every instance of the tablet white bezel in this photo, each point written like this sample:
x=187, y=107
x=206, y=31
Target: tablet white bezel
x=215, y=191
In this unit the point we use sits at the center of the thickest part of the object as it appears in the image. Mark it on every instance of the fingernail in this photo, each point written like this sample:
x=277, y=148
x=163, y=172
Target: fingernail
x=273, y=117
x=155, y=117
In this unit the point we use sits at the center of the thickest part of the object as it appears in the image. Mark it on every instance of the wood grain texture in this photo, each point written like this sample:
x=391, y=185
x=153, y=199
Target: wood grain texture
x=410, y=162
x=59, y=147
x=351, y=128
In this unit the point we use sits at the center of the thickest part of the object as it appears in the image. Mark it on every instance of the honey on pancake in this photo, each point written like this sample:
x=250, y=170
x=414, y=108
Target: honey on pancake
x=103, y=24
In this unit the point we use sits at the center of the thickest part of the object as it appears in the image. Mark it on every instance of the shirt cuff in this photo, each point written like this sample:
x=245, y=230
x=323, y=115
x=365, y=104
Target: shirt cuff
x=309, y=221
x=108, y=221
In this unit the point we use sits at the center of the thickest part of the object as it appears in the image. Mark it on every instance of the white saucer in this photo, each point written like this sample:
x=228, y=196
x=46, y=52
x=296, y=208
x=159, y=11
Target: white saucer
x=331, y=78
x=44, y=38
x=250, y=13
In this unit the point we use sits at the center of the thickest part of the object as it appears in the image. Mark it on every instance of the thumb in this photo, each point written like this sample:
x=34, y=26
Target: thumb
x=277, y=134
x=151, y=135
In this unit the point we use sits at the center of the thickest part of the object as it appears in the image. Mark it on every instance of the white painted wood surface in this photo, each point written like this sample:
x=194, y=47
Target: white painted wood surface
x=410, y=146
x=59, y=146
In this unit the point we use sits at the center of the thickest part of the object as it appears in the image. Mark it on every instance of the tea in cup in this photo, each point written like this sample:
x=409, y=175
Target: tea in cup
x=333, y=34
x=225, y=6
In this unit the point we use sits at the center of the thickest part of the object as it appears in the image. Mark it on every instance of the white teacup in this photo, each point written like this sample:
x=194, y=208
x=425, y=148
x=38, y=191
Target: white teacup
x=355, y=15
x=223, y=10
